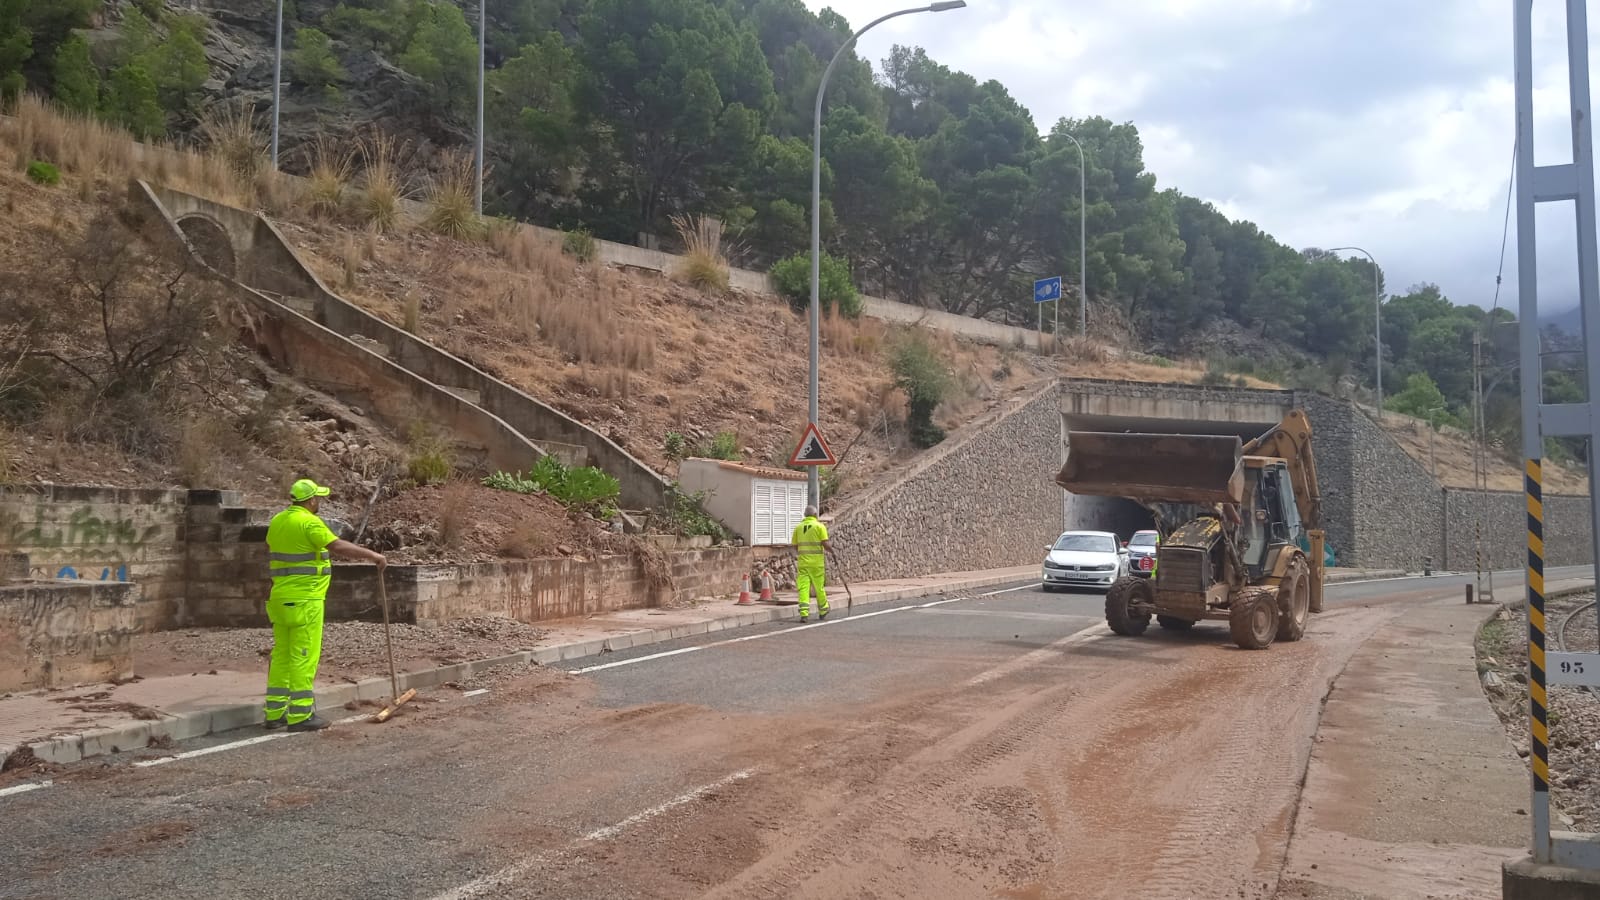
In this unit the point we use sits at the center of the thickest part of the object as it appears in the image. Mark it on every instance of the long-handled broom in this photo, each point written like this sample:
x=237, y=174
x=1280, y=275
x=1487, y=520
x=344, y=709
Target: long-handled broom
x=397, y=699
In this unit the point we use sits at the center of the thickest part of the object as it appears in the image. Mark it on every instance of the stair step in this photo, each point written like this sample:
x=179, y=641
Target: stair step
x=467, y=394
x=371, y=344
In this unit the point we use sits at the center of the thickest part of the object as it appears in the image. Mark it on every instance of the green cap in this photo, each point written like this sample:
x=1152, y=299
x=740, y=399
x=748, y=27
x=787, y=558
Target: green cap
x=305, y=489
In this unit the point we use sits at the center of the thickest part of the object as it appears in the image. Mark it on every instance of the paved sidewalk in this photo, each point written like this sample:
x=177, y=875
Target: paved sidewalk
x=1413, y=789
x=67, y=725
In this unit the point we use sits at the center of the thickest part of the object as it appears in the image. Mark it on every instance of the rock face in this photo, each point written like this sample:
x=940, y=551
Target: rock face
x=239, y=46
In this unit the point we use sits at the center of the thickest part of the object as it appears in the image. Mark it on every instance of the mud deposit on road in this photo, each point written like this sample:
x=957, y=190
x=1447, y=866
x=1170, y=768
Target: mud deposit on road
x=1165, y=766
x=1574, y=711
x=145, y=837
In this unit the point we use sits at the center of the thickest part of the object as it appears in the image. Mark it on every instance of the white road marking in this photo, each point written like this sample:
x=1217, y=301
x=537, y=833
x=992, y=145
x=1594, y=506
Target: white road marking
x=207, y=751
x=1033, y=657
x=24, y=788
x=506, y=876
x=769, y=634
x=474, y=693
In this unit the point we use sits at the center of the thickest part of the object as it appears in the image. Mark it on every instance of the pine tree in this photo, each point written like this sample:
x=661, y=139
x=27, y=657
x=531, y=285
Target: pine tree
x=77, y=81
x=133, y=102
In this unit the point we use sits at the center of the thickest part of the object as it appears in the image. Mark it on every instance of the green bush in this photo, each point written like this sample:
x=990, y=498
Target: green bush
x=429, y=460
x=580, y=245
x=922, y=374
x=43, y=173
x=685, y=515
x=585, y=488
x=313, y=62
x=724, y=446
x=675, y=446
x=835, y=290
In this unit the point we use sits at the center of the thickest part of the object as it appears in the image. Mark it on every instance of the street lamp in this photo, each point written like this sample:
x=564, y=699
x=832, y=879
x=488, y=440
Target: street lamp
x=813, y=479
x=483, y=39
x=277, y=85
x=1083, y=245
x=1377, y=322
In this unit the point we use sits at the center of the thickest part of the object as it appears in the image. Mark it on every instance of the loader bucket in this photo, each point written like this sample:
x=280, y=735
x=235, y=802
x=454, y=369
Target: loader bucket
x=1154, y=467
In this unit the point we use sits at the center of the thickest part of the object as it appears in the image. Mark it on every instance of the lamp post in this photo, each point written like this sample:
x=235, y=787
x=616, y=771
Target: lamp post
x=813, y=479
x=1433, y=430
x=1377, y=323
x=1083, y=244
x=277, y=85
x=483, y=40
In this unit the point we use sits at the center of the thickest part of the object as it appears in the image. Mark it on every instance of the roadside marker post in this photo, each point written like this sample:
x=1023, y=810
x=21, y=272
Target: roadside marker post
x=1555, y=183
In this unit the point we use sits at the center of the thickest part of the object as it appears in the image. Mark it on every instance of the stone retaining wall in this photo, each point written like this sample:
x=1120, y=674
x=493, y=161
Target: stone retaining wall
x=1501, y=518
x=982, y=500
x=65, y=633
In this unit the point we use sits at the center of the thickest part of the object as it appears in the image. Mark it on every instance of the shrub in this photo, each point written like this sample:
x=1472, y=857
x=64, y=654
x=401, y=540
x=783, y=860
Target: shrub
x=233, y=135
x=43, y=173
x=382, y=187
x=580, y=245
x=452, y=201
x=703, y=266
x=312, y=61
x=922, y=374
x=835, y=291
x=585, y=488
x=454, y=507
x=330, y=176
x=685, y=515
x=430, y=460
x=675, y=446
x=724, y=446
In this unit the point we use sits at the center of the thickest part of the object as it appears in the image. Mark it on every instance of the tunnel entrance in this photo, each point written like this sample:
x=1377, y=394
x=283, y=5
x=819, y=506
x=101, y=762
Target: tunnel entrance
x=1120, y=515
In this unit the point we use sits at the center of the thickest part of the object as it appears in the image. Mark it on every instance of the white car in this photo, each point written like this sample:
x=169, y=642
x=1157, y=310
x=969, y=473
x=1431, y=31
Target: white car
x=1086, y=559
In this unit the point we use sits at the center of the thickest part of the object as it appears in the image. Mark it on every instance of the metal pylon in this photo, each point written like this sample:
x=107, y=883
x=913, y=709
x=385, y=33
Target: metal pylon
x=1565, y=182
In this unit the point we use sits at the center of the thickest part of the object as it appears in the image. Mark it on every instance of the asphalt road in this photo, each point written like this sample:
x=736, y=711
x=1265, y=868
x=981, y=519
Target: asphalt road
x=662, y=771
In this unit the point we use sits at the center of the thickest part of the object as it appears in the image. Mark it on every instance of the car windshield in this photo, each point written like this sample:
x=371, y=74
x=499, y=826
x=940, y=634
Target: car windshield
x=1143, y=539
x=1092, y=543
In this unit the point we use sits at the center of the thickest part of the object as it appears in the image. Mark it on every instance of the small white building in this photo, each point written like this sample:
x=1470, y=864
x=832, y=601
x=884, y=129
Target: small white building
x=761, y=505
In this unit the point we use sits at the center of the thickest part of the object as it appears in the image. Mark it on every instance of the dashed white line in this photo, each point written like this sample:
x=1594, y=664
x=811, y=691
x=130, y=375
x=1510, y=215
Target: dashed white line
x=234, y=745
x=516, y=870
x=24, y=788
x=1033, y=657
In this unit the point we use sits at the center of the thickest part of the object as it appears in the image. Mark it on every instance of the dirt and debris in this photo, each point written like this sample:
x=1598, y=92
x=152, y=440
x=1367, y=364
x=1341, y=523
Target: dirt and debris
x=98, y=702
x=1574, y=711
x=350, y=650
x=146, y=836
x=464, y=522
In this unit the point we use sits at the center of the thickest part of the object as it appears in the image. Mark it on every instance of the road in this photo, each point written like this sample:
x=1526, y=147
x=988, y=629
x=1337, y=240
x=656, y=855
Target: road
x=1001, y=745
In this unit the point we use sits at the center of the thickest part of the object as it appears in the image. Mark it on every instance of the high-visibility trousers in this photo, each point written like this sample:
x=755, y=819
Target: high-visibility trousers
x=809, y=573
x=296, y=652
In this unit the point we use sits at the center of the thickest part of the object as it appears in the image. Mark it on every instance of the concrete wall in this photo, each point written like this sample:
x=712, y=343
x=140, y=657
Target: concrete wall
x=1091, y=398
x=983, y=499
x=58, y=635
x=269, y=265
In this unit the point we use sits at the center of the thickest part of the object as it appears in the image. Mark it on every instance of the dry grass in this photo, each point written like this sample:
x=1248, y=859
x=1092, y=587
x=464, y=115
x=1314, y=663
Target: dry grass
x=383, y=185
x=455, y=503
x=452, y=200
x=704, y=266
x=861, y=338
x=353, y=258
x=234, y=135
x=411, y=312
x=332, y=167
x=526, y=541
x=582, y=321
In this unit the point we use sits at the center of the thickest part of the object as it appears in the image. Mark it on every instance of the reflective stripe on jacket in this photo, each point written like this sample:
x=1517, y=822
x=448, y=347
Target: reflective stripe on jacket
x=808, y=538
x=297, y=555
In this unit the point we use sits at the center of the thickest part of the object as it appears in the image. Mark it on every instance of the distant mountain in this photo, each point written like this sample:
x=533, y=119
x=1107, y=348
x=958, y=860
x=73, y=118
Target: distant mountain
x=1568, y=320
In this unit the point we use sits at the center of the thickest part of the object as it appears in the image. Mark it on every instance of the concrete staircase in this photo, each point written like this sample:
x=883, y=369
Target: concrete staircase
x=325, y=340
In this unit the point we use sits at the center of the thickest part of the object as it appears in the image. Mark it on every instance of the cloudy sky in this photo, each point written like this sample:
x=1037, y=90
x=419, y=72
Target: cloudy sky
x=1385, y=124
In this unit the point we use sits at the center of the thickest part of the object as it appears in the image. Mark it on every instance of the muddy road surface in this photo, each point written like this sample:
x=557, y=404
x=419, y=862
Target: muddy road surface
x=998, y=745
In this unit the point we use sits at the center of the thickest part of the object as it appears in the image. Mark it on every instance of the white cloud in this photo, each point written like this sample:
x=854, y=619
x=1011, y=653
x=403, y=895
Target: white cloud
x=1326, y=122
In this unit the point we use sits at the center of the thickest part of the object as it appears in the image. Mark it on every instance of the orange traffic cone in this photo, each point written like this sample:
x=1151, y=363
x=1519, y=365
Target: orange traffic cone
x=766, y=586
x=744, y=592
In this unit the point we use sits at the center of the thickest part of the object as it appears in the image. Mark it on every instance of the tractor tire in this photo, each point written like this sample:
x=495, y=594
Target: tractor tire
x=1253, y=618
x=1173, y=623
x=1294, y=601
x=1119, y=606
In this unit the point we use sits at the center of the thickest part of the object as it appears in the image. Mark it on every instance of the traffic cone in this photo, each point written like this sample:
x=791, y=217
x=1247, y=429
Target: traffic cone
x=766, y=586
x=744, y=592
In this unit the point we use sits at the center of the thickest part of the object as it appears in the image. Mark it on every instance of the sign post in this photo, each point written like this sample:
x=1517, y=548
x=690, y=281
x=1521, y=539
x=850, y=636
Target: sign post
x=1047, y=290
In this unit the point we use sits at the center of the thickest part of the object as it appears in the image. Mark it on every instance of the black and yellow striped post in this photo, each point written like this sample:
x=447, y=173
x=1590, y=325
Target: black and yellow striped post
x=1538, y=698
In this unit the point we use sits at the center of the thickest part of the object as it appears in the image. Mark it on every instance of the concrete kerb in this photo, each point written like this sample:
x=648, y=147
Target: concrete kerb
x=72, y=748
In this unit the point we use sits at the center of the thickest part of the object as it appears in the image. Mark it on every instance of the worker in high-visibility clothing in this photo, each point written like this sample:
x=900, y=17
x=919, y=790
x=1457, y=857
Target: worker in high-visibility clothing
x=299, y=545
x=811, y=542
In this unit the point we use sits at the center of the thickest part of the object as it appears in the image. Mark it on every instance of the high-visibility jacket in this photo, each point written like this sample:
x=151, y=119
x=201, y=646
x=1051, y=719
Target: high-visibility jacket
x=297, y=553
x=808, y=538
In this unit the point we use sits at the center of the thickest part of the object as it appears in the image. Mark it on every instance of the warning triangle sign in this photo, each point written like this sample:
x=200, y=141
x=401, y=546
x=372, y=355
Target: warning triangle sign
x=813, y=450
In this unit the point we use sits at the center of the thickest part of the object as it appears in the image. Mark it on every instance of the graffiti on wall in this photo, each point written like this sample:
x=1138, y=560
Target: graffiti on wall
x=68, y=573
x=82, y=529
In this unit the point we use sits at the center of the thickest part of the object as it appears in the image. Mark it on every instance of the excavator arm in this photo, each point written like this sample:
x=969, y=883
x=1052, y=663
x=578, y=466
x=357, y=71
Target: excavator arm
x=1290, y=441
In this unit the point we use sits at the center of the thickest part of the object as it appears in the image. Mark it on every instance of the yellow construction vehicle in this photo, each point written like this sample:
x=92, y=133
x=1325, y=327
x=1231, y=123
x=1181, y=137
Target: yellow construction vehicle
x=1240, y=523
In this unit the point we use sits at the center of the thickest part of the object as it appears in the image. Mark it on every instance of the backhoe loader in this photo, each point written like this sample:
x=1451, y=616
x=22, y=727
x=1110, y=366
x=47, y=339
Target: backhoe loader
x=1240, y=523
